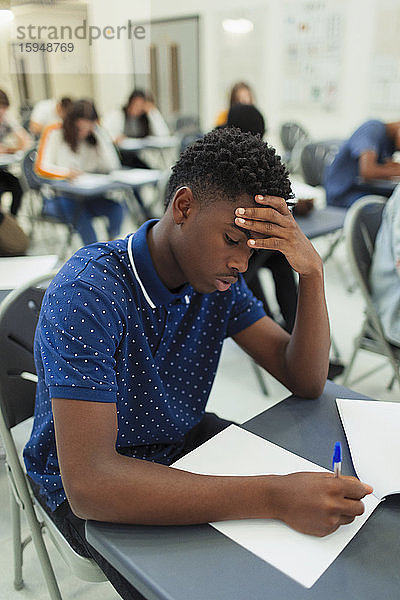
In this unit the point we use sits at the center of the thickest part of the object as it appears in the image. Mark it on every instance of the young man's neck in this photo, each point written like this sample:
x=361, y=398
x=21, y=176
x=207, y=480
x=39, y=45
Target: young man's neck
x=164, y=260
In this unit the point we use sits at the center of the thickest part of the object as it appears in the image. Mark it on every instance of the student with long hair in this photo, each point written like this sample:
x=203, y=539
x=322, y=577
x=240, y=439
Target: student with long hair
x=138, y=118
x=72, y=147
x=241, y=93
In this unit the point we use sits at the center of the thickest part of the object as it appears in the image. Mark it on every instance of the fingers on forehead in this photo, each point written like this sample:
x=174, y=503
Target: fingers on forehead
x=262, y=213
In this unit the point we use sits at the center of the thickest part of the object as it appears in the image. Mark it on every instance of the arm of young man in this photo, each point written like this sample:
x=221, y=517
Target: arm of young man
x=106, y=486
x=370, y=168
x=300, y=360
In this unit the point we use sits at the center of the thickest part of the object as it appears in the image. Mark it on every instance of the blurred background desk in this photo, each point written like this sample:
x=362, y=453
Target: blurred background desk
x=380, y=187
x=165, y=148
x=6, y=160
x=197, y=562
x=129, y=181
x=322, y=221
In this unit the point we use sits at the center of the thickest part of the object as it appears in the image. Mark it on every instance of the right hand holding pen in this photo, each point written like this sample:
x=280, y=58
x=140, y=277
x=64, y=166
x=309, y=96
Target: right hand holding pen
x=316, y=503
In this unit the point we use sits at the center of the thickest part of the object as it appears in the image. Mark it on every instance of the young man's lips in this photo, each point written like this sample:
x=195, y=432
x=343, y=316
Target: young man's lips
x=224, y=284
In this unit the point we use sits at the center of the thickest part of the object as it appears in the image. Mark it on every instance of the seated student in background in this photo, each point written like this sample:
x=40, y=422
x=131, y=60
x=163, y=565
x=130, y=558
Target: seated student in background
x=128, y=343
x=68, y=149
x=241, y=93
x=385, y=269
x=367, y=154
x=249, y=119
x=13, y=137
x=48, y=111
x=137, y=119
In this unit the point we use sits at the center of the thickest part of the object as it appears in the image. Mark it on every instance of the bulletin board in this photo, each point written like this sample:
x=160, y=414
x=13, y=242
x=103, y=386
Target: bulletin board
x=385, y=61
x=313, y=53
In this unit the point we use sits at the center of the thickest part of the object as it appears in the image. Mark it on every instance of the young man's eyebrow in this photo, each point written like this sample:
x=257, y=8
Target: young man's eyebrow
x=247, y=233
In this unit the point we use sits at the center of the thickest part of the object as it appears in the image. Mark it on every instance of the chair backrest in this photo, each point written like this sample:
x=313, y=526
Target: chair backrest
x=291, y=133
x=315, y=157
x=361, y=227
x=18, y=318
x=28, y=167
x=186, y=124
x=189, y=139
x=162, y=187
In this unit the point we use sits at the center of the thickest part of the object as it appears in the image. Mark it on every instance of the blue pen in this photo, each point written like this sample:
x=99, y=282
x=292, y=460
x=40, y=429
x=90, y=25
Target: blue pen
x=337, y=459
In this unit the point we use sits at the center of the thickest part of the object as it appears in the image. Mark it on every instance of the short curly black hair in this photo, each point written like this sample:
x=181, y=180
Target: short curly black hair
x=227, y=162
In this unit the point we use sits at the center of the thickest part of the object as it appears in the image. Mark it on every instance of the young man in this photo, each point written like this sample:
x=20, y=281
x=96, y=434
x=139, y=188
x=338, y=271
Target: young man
x=367, y=154
x=128, y=343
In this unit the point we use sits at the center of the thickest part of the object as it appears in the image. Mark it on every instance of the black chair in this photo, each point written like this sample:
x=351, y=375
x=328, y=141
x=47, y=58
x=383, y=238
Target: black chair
x=33, y=185
x=189, y=139
x=185, y=124
x=361, y=227
x=293, y=137
x=315, y=157
x=18, y=317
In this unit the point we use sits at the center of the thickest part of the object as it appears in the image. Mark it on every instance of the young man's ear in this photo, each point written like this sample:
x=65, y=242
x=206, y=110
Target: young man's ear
x=182, y=204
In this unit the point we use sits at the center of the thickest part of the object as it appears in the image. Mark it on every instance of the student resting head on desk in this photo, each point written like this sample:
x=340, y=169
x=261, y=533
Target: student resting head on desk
x=366, y=156
x=127, y=359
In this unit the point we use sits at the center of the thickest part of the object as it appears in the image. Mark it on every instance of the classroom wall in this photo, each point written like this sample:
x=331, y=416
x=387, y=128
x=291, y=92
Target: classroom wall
x=69, y=73
x=364, y=63
x=264, y=52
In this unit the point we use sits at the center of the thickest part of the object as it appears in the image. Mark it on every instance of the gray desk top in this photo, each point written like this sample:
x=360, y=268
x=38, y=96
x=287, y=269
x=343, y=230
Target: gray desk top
x=71, y=189
x=199, y=563
x=378, y=186
x=150, y=142
x=322, y=221
x=9, y=159
x=107, y=183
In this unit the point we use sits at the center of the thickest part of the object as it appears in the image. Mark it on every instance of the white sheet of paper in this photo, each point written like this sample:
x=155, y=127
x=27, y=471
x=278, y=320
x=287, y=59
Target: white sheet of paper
x=136, y=176
x=372, y=431
x=17, y=270
x=91, y=180
x=9, y=159
x=132, y=144
x=158, y=141
x=235, y=451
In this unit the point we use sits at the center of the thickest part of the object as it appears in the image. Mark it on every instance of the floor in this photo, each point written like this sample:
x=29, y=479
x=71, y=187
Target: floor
x=236, y=395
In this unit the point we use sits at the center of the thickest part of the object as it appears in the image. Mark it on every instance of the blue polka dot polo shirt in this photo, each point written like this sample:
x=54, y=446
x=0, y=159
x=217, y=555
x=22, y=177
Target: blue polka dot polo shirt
x=110, y=331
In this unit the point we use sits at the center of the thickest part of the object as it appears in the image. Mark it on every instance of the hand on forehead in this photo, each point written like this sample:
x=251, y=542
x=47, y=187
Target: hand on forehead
x=262, y=219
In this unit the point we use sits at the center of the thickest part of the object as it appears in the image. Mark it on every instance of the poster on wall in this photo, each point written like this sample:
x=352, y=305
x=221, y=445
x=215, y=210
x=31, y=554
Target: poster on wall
x=313, y=53
x=385, y=62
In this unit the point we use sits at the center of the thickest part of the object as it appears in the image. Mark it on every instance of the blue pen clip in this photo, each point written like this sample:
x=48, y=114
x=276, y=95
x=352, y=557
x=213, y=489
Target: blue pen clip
x=337, y=459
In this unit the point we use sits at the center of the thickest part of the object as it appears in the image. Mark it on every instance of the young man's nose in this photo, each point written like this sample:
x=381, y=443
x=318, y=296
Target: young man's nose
x=240, y=261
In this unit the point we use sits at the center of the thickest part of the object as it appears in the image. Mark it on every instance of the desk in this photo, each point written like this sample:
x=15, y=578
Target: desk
x=9, y=159
x=128, y=180
x=152, y=142
x=17, y=270
x=322, y=221
x=199, y=563
x=381, y=187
